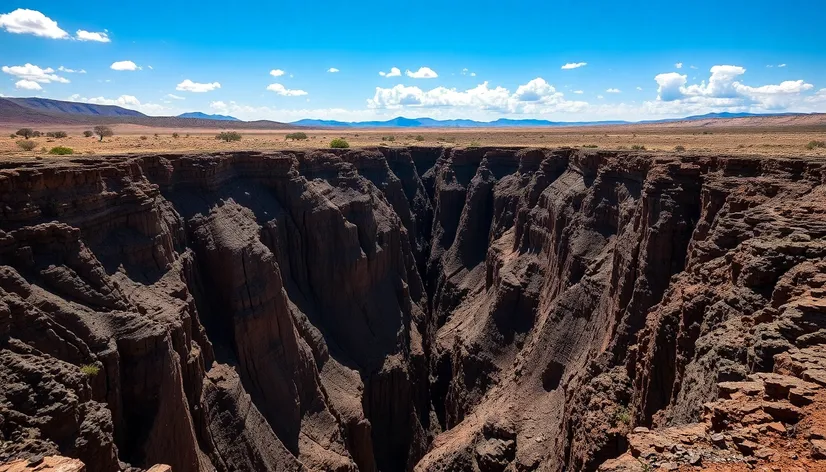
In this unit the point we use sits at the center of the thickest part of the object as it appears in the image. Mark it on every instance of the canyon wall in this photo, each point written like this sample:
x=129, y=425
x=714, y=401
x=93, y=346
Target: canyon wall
x=393, y=309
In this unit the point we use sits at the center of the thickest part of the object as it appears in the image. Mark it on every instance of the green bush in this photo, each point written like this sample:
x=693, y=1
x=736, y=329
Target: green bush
x=13, y=136
x=228, y=136
x=88, y=134
x=339, y=143
x=419, y=137
x=61, y=151
x=474, y=144
x=815, y=144
x=90, y=370
x=679, y=148
x=638, y=147
x=591, y=146
x=297, y=136
x=26, y=145
x=621, y=415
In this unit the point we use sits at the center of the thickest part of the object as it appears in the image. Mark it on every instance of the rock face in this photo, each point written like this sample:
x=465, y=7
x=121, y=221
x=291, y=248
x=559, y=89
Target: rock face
x=411, y=309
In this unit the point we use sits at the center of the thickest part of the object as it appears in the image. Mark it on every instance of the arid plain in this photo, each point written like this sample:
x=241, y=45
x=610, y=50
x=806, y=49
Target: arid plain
x=775, y=141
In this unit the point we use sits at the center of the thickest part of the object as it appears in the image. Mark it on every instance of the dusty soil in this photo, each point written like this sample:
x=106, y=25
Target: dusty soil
x=778, y=141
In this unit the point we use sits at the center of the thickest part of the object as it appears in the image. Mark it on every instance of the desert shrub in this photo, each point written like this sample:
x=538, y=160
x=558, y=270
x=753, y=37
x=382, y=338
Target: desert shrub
x=175, y=135
x=638, y=147
x=61, y=134
x=591, y=146
x=621, y=415
x=26, y=145
x=50, y=134
x=88, y=134
x=679, y=148
x=25, y=132
x=13, y=136
x=474, y=144
x=103, y=131
x=144, y=138
x=297, y=136
x=419, y=137
x=36, y=134
x=339, y=143
x=156, y=135
x=43, y=149
x=816, y=144
x=388, y=138
x=707, y=132
x=61, y=151
x=90, y=369
x=228, y=136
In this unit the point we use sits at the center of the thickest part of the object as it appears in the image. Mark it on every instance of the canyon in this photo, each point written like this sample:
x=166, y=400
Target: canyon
x=414, y=309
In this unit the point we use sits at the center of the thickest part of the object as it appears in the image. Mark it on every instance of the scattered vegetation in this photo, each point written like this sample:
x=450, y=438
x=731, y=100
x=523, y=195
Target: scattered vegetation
x=474, y=144
x=26, y=145
x=156, y=135
x=13, y=136
x=103, y=131
x=88, y=133
x=679, y=148
x=621, y=415
x=90, y=370
x=339, y=143
x=144, y=138
x=61, y=151
x=36, y=134
x=638, y=147
x=816, y=144
x=56, y=134
x=419, y=137
x=707, y=132
x=228, y=136
x=388, y=138
x=297, y=136
x=592, y=146
x=25, y=132
x=175, y=135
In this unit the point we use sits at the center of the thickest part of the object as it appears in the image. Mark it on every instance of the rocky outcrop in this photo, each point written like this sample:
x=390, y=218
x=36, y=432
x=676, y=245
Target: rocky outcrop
x=407, y=309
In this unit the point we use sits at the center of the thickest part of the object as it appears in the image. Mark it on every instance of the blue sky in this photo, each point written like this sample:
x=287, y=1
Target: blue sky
x=562, y=60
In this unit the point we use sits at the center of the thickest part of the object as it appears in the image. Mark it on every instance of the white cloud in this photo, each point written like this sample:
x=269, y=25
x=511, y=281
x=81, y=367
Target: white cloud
x=781, y=65
x=466, y=71
x=190, y=86
x=101, y=37
x=284, y=91
x=678, y=65
x=394, y=72
x=35, y=74
x=536, y=96
x=127, y=101
x=27, y=85
x=692, y=67
x=175, y=97
x=71, y=71
x=573, y=65
x=23, y=21
x=600, y=97
x=123, y=101
x=277, y=72
x=578, y=92
x=614, y=90
x=639, y=88
x=670, y=85
x=422, y=73
x=150, y=67
x=332, y=70
x=124, y=65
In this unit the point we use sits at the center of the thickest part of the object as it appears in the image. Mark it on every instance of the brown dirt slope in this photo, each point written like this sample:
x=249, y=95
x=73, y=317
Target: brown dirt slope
x=427, y=309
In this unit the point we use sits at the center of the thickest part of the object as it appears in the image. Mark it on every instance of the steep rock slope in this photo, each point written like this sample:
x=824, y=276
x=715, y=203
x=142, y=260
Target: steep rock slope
x=392, y=309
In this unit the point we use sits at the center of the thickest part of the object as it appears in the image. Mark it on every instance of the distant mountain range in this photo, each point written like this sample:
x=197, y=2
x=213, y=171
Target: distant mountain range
x=44, y=111
x=204, y=116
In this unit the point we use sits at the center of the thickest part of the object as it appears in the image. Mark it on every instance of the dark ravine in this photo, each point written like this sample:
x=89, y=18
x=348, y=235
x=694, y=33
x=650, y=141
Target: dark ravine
x=393, y=309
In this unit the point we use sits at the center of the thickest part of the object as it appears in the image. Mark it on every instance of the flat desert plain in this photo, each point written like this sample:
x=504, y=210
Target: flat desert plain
x=780, y=141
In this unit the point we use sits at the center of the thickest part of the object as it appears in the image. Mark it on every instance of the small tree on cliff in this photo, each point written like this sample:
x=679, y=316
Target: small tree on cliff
x=103, y=131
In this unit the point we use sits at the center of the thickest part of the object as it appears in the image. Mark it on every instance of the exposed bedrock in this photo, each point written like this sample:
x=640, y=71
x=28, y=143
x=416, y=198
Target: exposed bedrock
x=393, y=309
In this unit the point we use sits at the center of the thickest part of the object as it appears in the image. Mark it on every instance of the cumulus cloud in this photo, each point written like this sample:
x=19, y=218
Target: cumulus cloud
x=27, y=85
x=34, y=73
x=284, y=91
x=190, y=86
x=23, y=21
x=466, y=71
x=670, y=86
x=127, y=101
x=101, y=37
x=123, y=101
x=614, y=90
x=277, y=72
x=124, y=65
x=394, y=72
x=678, y=65
x=573, y=65
x=71, y=71
x=422, y=73
x=578, y=92
x=332, y=70
x=639, y=88
x=536, y=96
x=175, y=97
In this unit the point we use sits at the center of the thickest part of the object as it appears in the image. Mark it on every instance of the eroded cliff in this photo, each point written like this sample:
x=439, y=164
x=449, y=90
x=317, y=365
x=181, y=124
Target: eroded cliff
x=393, y=309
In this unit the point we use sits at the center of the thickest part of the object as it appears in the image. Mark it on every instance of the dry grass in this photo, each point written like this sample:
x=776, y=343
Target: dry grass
x=127, y=139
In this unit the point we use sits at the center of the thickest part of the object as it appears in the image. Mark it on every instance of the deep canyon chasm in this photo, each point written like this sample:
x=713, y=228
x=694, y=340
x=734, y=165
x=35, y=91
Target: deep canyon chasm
x=393, y=309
